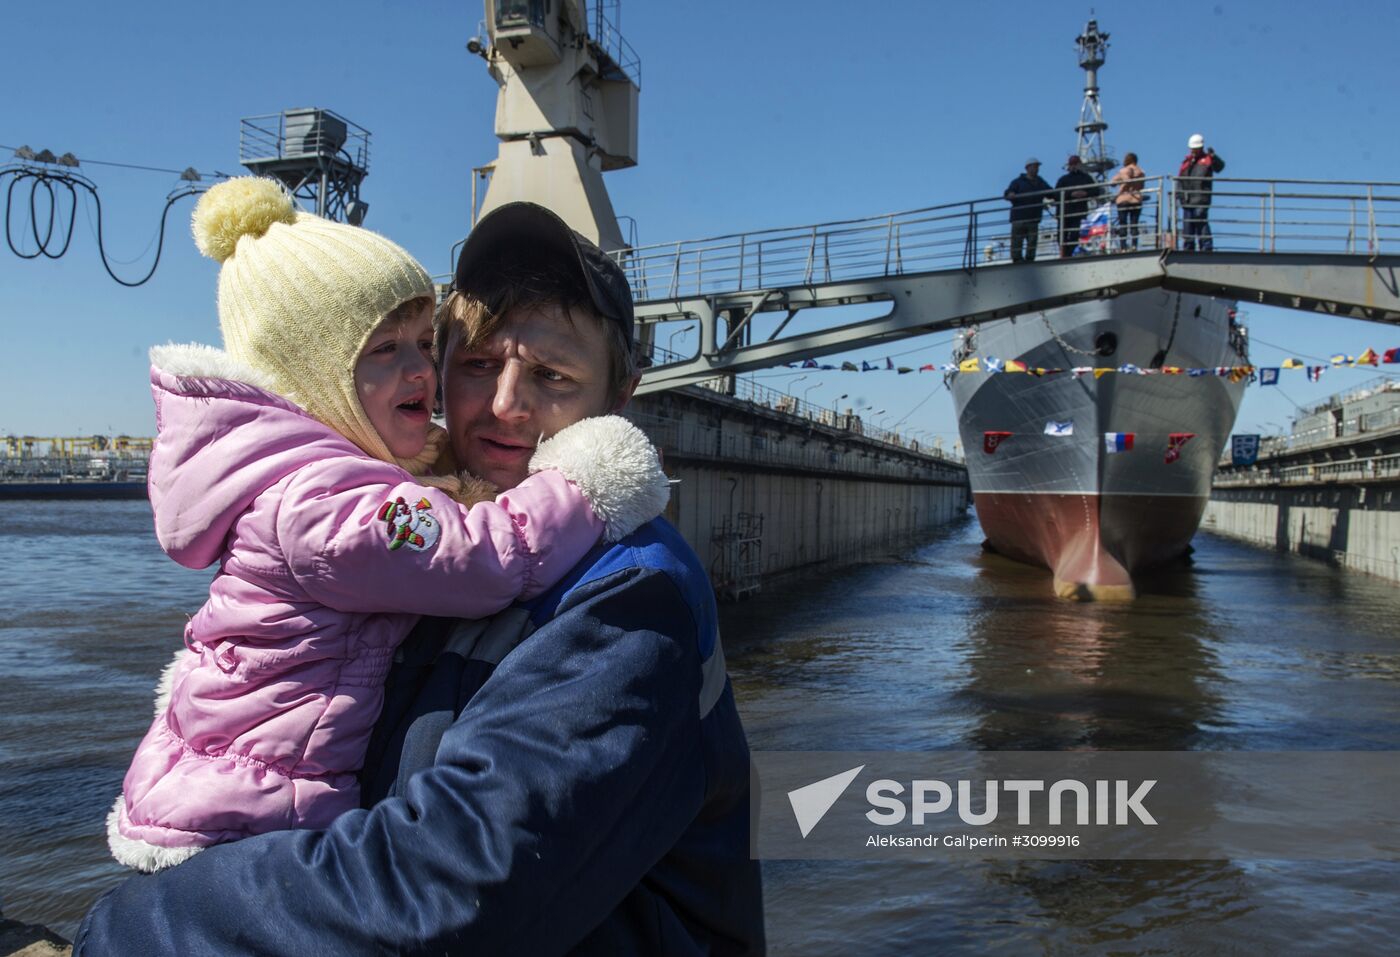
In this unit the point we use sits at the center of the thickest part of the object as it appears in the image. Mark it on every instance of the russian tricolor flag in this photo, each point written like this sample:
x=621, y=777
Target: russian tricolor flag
x=1118, y=442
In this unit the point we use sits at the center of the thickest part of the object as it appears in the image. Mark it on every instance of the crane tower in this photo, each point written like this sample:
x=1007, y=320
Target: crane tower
x=566, y=110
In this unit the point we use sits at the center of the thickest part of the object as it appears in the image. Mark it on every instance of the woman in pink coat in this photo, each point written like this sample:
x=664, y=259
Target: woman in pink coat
x=295, y=459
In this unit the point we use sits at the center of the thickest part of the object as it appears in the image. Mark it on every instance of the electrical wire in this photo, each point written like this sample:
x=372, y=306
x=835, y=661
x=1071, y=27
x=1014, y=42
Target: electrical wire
x=42, y=182
x=1290, y=399
x=92, y=231
x=917, y=405
x=44, y=242
x=137, y=166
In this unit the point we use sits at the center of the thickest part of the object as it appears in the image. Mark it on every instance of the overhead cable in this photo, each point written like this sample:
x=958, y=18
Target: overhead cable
x=53, y=194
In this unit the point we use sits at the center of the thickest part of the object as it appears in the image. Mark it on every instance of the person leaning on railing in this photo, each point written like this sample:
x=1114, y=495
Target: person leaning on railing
x=1128, y=199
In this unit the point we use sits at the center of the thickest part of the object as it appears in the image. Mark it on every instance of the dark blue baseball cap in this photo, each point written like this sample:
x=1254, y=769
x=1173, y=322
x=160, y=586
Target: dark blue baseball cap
x=546, y=235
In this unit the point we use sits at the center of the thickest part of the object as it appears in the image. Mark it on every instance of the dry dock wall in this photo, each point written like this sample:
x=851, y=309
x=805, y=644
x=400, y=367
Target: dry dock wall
x=762, y=491
x=1349, y=528
x=1338, y=503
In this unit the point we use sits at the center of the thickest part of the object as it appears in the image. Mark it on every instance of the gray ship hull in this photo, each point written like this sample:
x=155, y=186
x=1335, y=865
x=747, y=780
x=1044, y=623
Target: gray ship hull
x=1063, y=501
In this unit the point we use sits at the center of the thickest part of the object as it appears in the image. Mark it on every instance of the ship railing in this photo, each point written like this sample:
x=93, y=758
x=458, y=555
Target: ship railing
x=1248, y=215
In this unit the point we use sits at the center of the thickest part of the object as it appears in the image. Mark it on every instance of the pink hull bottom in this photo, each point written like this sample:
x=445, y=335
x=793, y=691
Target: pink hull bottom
x=1092, y=543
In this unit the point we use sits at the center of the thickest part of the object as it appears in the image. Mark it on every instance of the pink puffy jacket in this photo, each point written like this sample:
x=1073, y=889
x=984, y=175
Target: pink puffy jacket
x=326, y=559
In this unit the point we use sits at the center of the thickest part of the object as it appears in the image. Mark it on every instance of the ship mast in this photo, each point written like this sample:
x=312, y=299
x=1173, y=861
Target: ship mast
x=1093, y=48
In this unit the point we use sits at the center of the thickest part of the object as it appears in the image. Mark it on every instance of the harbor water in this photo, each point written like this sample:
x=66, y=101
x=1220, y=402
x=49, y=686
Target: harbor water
x=943, y=648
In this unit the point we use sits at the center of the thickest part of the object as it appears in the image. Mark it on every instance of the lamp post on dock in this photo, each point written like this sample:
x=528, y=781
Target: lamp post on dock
x=836, y=409
x=788, y=394
x=870, y=412
x=671, y=342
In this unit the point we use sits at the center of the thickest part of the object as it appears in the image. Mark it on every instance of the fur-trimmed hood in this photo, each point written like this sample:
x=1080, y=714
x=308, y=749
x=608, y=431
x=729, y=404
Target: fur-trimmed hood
x=223, y=437
x=193, y=360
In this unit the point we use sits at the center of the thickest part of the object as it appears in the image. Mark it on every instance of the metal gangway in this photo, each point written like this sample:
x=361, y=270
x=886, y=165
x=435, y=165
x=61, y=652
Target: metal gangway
x=1327, y=246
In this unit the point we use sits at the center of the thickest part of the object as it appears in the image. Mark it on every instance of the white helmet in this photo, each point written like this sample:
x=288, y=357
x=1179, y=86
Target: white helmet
x=1197, y=141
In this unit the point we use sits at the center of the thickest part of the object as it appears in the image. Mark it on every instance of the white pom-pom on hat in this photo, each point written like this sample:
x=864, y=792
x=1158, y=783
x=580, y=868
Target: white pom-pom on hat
x=245, y=206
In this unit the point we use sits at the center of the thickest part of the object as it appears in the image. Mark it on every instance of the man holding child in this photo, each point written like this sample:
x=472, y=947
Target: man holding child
x=570, y=776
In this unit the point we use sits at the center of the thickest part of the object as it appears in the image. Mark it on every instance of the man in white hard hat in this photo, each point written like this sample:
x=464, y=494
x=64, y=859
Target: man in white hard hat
x=1193, y=189
x=1027, y=193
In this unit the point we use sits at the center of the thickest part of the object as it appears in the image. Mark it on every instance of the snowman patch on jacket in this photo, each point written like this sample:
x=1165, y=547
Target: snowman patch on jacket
x=409, y=526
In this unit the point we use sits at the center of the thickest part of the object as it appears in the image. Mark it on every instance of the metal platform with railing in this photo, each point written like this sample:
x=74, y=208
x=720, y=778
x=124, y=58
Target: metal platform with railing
x=617, y=55
x=1354, y=471
x=1246, y=215
x=318, y=155
x=1329, y=246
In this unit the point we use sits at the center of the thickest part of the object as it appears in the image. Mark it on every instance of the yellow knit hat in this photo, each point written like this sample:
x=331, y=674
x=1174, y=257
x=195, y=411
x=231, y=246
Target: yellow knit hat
x=299, y=296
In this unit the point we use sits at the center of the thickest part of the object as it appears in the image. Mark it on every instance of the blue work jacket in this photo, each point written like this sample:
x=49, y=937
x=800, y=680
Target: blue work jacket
x=589, y=794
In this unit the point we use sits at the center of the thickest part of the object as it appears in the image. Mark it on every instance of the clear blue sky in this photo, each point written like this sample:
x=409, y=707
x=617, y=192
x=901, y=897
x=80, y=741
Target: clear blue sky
x=752, y=115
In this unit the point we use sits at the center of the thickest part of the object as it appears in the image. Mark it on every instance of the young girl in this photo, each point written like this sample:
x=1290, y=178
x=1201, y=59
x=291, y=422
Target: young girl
x=288, y=459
